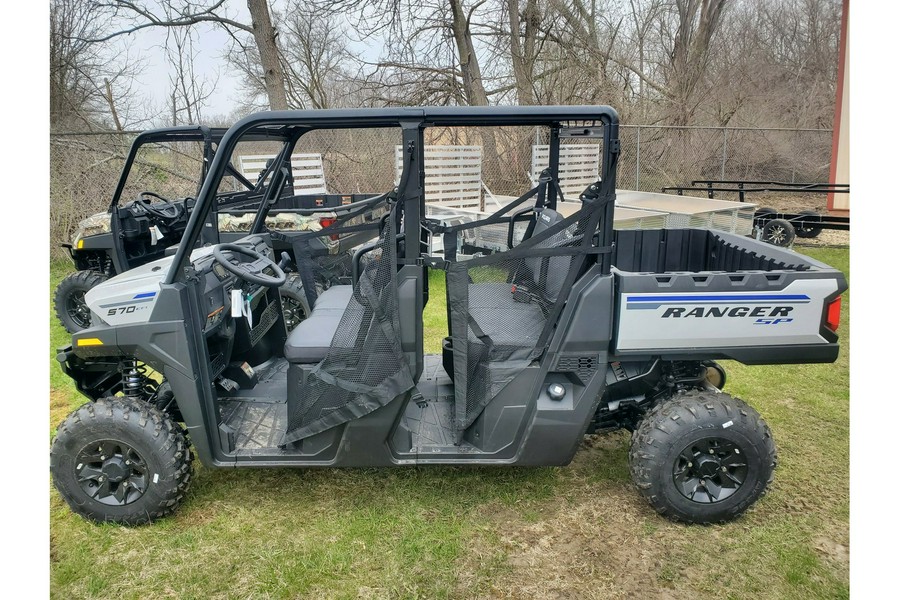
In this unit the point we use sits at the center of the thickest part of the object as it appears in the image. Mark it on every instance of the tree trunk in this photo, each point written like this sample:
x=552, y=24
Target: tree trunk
x=698, y=21
x=264, y=34
x=473, y=86
x=112, y=105
x=522, y=58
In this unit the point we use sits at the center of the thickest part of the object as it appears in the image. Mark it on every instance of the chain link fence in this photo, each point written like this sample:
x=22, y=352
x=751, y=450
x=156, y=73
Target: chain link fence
x=499, y=163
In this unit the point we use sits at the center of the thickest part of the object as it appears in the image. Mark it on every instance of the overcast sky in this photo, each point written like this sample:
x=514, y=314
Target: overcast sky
x=212, y=42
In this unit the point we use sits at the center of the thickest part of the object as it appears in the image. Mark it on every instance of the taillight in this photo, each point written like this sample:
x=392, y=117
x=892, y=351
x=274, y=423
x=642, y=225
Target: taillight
x=833, y=316
x=327, y=222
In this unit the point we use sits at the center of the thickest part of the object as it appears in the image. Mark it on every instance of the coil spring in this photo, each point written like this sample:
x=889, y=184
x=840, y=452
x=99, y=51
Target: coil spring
x=133, y=378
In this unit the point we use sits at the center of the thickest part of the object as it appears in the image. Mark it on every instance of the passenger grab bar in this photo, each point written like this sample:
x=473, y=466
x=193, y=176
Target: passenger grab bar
x=357, y=255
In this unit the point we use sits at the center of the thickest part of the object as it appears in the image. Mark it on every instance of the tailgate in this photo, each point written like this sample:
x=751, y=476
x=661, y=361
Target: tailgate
x=758, y=317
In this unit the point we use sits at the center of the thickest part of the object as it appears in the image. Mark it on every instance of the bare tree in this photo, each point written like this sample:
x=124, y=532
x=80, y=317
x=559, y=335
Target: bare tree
x=316, y=63
x=188, y=91
x=130, y=16
x=89, y=86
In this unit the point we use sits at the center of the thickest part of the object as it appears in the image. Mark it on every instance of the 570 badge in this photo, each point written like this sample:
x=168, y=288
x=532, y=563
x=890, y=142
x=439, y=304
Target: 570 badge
x=139, y=302
x=121, y=310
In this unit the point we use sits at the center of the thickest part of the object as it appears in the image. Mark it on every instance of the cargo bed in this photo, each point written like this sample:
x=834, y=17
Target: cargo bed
x=690, y=294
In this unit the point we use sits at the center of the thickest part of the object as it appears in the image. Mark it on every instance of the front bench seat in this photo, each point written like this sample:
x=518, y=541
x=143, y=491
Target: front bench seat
x=310, y=341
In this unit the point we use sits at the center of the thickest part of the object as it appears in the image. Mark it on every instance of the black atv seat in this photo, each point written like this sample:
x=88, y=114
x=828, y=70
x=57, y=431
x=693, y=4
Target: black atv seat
x=310, y=340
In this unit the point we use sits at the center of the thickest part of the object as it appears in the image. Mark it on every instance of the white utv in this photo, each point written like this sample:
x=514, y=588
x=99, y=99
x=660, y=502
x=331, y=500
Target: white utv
x=573, y=329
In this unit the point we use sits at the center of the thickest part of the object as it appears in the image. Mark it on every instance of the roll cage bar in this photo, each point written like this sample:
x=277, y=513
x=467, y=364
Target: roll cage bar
x=210, y=136
x=289, y=126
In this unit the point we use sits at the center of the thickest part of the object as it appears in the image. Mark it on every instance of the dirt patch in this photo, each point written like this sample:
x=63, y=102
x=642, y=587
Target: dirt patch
x=589, y=546
x=836, y=552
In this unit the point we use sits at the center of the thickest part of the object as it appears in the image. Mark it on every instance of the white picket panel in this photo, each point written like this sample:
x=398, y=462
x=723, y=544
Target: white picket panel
x=307, y=170
x=452, y=175
x=579, y=166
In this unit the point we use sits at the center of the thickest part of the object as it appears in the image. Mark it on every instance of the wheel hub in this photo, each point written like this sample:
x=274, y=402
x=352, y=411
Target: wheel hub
x=115, y=469
x=111, y=472
x=708, y=466
x=709, y=470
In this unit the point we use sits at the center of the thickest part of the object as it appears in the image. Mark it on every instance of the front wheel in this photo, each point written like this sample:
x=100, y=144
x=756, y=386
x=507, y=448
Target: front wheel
x=120, y=460
x=703, y=457
x=71, y=309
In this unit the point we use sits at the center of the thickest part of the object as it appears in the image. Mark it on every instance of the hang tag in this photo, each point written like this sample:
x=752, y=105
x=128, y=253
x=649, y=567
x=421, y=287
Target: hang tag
x=237, y=304
x=248, y=312
x=154, y=235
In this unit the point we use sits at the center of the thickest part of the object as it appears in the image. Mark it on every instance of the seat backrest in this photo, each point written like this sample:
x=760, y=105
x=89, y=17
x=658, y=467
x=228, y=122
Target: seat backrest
x=549, y=272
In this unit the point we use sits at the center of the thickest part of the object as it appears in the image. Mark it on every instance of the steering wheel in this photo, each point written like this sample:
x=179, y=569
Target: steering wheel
x=252, y=271
x=171, y=211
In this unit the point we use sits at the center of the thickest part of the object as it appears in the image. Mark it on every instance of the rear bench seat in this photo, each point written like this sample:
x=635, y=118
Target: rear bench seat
x=310, y=340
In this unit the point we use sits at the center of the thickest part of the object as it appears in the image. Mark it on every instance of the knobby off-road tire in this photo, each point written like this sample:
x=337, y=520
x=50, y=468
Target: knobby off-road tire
x=71, y=309
x=121, y=460
x=687, y=451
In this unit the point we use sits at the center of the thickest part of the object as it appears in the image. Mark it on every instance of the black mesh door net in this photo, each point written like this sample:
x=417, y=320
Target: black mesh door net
x=504, y=306
x=364, y=367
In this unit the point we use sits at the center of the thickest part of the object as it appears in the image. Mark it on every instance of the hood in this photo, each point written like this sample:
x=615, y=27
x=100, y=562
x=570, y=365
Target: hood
x=129, y=297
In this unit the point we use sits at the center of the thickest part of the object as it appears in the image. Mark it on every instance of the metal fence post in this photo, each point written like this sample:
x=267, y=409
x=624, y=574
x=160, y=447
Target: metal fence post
x=724, y=151
x=637, y=167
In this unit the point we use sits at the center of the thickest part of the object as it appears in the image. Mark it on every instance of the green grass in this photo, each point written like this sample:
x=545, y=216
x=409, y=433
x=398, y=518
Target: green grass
x=578, y=531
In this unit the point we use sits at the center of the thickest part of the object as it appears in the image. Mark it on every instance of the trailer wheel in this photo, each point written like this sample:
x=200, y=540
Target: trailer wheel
x=778, y=232
x=293, y=302
x=808, y=232
x=120, y=460
x=71, y=309
x=703, y=457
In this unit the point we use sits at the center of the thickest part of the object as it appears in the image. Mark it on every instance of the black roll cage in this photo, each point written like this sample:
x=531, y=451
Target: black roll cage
x=289, y=126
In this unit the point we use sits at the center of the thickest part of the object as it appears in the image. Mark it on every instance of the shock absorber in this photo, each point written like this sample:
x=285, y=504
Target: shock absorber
x=133, y=379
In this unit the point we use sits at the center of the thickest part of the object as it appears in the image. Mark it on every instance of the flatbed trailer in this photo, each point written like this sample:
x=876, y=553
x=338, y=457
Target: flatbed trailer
x=771, y=225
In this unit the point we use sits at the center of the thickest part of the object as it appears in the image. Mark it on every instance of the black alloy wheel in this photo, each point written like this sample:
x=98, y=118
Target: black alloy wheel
x=111, y=472
x=709, y=470
x=78, y=310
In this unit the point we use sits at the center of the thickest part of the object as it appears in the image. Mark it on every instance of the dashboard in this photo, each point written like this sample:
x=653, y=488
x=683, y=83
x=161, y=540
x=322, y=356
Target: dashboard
x=217, y=283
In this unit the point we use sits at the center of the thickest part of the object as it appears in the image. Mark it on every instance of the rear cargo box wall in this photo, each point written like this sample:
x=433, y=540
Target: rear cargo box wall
x=671, y=250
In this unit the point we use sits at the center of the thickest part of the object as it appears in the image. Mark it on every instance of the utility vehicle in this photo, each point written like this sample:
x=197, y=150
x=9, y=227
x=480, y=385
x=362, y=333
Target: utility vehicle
x=136, y=232
x=572, y=330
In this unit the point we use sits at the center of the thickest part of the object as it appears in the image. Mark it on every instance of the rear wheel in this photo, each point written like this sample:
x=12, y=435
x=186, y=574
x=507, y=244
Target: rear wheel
x=71, y=309
x=120, y=460
x=703, y=457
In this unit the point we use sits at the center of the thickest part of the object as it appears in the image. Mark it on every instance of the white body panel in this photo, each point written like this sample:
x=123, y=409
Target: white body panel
x=676, y=320
x=129, y=297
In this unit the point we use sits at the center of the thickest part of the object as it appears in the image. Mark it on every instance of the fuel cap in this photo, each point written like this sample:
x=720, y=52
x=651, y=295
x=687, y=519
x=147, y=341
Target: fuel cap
x=556, y=391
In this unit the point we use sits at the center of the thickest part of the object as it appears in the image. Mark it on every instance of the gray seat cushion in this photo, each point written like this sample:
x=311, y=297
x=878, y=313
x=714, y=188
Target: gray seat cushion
x=337, y=296
x=310, y=340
